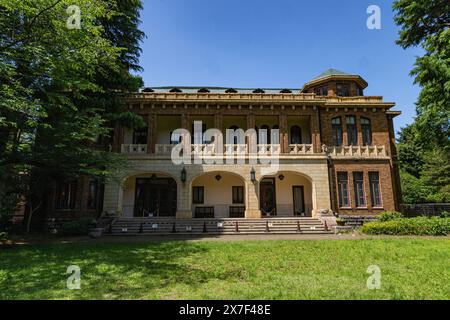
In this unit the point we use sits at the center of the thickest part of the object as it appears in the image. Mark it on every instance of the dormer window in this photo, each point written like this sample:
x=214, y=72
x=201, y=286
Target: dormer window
x=321, y=91
x=148, y=90
x=203, y=90
x=343, y=90
x=175, y=90
x=231, y=90
x=258, y=91
x=285, y=91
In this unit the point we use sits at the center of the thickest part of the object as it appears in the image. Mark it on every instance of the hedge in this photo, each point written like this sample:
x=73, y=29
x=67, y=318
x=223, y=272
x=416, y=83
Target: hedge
x=78, y=228
x=421, y=226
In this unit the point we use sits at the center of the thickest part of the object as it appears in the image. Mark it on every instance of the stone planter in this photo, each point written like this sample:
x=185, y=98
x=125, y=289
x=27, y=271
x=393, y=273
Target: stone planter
x=96, y=233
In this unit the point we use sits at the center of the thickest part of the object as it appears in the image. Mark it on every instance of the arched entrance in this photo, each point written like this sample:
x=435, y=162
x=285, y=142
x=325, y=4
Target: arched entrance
x=218, y=195
x=150, y=195
x=286, y=194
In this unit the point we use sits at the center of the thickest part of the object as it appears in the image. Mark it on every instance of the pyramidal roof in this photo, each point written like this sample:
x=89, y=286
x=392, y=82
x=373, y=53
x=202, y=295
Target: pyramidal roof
x=332, y=72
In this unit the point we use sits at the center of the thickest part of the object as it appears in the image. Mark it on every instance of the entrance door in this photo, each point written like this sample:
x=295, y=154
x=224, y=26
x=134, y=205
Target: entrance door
x=299, y=201
x=155, y=198
x=268, y=198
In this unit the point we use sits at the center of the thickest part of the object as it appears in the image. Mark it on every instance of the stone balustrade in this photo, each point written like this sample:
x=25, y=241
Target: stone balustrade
x=357, y=151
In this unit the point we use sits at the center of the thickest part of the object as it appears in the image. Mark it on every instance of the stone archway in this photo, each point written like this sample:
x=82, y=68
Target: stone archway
x=218, y=194
x=287, y=194
x=149, y=195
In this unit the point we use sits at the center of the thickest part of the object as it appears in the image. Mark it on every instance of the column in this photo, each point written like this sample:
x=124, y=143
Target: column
x=252, y=210
x=315, y=131
x=184, y=208
x=151, y=133
x=284, y=135
x=112, y=201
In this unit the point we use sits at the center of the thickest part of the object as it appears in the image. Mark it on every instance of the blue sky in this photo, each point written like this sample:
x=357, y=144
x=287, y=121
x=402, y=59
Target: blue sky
x=283, y=43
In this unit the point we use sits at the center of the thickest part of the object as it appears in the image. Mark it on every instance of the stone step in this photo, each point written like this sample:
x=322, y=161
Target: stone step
x=144, y=226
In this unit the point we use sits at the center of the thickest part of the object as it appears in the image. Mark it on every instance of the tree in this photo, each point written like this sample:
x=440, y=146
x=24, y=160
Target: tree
x=61, y=89
x=424, y=146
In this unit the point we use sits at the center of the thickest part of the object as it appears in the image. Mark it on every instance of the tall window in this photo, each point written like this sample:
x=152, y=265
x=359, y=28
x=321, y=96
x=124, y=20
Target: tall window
x=197, y=137
x=93, y=194
x=296, y=135
x=344, y=198
x=321, y=91
x=140, y=136
x=65, y=195
x=343, y=89
x=267, y=138
x=337, y=131
x=198, y=195
x=238, y=195
x=375, y=193
x=360, y=197
x=352, y=132
x=366, y=129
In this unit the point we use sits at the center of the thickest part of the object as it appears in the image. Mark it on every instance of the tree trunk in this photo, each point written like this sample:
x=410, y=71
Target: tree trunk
x=30, y=215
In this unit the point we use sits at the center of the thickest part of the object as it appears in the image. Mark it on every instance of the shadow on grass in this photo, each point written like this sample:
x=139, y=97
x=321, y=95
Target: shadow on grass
x=108, y=270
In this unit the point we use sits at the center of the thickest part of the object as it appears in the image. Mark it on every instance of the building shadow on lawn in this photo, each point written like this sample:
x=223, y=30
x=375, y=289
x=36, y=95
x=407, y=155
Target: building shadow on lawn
x=108, y=270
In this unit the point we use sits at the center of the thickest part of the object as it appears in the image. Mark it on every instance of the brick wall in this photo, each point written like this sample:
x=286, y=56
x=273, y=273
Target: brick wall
x=365, y=166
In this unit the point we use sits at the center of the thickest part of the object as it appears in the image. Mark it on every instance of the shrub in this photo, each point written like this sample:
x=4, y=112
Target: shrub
x=420, y=226
x=78, y=228
x=390, y=215
x=445, y=214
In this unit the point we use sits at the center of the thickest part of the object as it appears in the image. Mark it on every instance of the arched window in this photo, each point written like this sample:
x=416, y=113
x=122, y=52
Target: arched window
x=175, y=90
x=286, y=91
x=258, y=91
x=148, y=90
x=366, y=129
x=203, y=90
x=336, y=125
x=352, y=132
x=296, y=135
x=231, y=90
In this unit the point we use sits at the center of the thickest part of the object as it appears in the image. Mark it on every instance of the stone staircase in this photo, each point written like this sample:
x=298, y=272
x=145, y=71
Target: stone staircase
x=154, y=226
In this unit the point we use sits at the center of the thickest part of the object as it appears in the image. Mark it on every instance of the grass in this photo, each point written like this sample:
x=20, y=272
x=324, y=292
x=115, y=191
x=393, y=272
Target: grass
x=412, y=268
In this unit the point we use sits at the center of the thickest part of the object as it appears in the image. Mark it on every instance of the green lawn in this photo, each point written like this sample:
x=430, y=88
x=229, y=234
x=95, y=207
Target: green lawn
x=411, y=269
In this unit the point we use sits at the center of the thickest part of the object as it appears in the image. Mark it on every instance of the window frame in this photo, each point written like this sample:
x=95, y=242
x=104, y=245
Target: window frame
x=198, y=197
x=139, y=134
x=374, y=189
x=299, y=132
x=366, y=131
x=69, y=202
x=239, y=192
x=353, y=129
x=92, y=202
x=341, y=195
x=340, y=87
x=358, y=185
x=337, y=132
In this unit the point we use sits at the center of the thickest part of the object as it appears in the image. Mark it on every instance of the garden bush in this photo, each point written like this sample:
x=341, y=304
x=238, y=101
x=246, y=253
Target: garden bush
x=420, y=226
x=78, y=228
x=390, y=215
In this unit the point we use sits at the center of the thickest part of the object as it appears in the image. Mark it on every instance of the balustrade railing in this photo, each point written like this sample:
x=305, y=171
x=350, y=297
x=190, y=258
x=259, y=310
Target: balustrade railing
x=358, y=151
x=134, y=149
